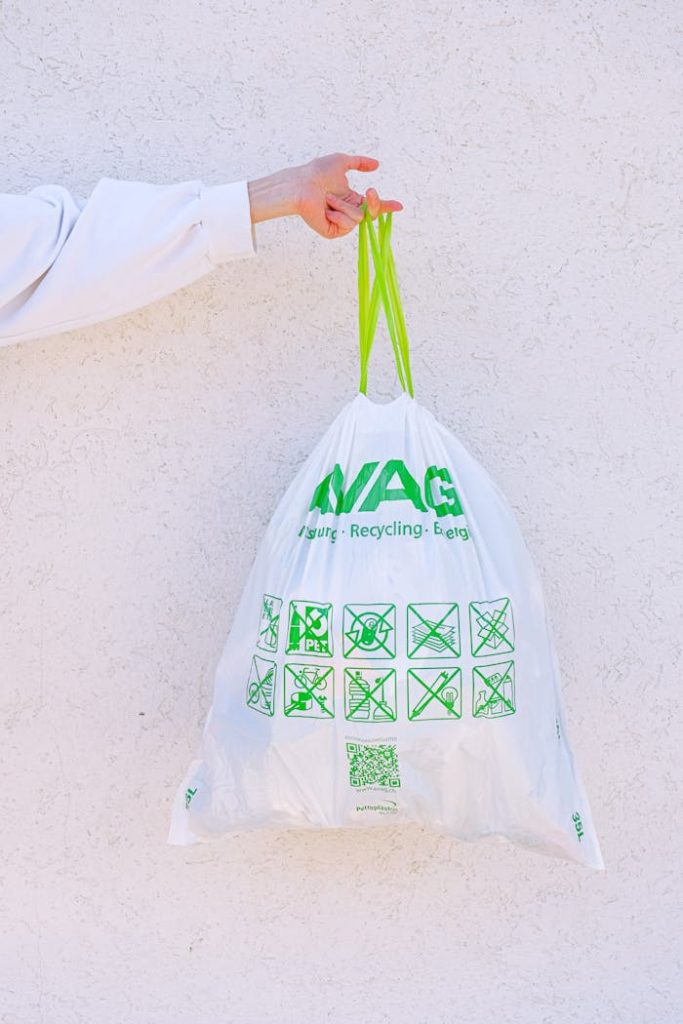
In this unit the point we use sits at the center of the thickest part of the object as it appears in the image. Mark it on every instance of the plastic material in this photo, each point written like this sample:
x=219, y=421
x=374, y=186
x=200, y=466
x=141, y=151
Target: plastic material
x=390, y=660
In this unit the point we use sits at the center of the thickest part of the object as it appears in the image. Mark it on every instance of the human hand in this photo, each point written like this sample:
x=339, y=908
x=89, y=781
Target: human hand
x=320, y=194
x=326, y=201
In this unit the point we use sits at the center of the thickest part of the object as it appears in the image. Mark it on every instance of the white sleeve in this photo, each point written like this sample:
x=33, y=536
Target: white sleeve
x=67, y=262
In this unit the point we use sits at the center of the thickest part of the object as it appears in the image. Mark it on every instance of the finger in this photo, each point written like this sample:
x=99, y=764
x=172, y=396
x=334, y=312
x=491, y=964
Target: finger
x=377, y=205
x=354, y=197
x=373, y=201
x=391, y=204
x=360, y=163
x=341, y=221
x=344, y=206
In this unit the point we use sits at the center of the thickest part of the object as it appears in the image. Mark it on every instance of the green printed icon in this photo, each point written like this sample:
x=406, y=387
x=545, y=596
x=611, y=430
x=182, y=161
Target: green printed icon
x=261, y=686
x=373, y=764
x=310, y=628
x=433, y=631
x=493, y=690
x=309, y=691
x=369, y=630
x=370, y=694
x=269, y=625
x=434, y=693
x=492, y=630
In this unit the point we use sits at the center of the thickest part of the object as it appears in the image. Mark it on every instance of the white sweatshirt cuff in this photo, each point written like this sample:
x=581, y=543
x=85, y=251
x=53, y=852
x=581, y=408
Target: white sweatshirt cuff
x=226, y=219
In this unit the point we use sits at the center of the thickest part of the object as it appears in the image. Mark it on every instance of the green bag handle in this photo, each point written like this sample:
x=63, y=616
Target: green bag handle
x=385, y=287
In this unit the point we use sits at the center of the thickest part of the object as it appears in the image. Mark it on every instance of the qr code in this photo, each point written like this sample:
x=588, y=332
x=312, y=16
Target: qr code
x=373, y=764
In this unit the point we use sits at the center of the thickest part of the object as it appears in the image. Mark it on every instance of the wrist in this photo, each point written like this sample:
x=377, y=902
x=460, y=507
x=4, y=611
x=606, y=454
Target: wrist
x=274, y=195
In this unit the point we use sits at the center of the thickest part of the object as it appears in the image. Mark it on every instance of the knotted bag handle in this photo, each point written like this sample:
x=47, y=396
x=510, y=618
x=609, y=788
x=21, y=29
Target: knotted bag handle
x=384, y=287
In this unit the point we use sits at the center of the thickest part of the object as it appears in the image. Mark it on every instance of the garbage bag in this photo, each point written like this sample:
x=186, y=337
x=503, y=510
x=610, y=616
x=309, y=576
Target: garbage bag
x=391, y=660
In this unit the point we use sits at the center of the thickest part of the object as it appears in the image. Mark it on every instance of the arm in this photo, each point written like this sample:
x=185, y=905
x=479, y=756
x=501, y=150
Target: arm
x=67, y=262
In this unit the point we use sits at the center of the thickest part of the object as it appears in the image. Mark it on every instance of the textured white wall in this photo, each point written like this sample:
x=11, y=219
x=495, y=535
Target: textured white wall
x=534, y=148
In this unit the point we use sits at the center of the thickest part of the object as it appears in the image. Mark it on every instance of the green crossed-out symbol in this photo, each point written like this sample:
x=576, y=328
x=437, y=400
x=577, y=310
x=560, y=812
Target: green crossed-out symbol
x=498, y=676
x=369, y=629
x=444, y=677
x=493, y=630
x=261, y=688
x=368, y=695
x=434, y=630
x=308, y=687
x=270, y=622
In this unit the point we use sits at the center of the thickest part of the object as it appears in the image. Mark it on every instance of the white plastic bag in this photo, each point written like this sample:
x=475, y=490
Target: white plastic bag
x=390, y=660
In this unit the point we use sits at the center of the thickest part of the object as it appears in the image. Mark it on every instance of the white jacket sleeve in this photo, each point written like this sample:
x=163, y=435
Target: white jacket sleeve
x=67, y=262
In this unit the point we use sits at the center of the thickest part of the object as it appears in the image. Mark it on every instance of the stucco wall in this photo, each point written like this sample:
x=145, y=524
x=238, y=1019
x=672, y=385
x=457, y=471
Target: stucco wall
x=534, y=148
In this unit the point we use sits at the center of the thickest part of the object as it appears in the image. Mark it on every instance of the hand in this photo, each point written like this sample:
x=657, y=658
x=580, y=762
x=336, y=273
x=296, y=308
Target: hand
x=326, y=201
x=319, y=193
